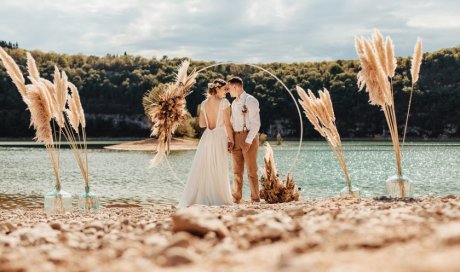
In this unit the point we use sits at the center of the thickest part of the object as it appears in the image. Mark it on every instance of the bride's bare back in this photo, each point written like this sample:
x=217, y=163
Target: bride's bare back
x=212, y=107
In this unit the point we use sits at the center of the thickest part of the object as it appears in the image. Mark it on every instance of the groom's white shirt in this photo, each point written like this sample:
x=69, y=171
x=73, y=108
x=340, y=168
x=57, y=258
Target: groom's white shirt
x=252, y=116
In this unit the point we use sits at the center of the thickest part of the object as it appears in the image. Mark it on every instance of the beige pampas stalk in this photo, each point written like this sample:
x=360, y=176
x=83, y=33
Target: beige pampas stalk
x=391, y=60
x=379, y=46
x=52, y=96
x=76, y=96
x=40, y=117
x=72, y=113
x=60, y=85
x=32, y=67
x=15, y=73
x=320, y=113
x=369, y=68
x=414, y=71
x=416, y=61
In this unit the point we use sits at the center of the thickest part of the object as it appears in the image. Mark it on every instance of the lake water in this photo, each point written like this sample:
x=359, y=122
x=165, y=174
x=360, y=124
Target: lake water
x=124, y=177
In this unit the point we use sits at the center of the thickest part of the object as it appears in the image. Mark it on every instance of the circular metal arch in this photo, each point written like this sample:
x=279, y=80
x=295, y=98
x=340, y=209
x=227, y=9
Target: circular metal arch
x=285, y=87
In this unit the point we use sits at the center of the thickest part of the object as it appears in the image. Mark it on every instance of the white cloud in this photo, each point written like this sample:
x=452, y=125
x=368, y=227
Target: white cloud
x=237, y=30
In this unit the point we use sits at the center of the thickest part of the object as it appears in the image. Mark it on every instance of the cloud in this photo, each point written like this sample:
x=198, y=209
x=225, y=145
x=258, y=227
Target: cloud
x=238, y=30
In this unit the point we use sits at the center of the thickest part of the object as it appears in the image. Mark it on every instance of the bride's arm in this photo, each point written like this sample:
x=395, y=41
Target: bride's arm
x=202, y=121
x=228, y=124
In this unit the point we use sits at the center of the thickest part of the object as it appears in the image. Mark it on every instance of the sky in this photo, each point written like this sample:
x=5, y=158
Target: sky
x=251, y=31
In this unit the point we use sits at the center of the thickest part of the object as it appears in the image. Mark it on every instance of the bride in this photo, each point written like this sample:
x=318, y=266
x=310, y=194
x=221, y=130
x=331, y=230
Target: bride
x=208, y=181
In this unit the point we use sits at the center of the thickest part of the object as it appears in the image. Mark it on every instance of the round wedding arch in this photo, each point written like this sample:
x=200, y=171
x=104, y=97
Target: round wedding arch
x=285, y=88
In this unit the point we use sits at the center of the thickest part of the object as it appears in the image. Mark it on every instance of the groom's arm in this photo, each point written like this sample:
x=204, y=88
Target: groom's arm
x=253, y=119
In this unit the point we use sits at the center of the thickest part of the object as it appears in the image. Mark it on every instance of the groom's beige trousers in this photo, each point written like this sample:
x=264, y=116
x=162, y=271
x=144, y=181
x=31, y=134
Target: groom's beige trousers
x=248, y=159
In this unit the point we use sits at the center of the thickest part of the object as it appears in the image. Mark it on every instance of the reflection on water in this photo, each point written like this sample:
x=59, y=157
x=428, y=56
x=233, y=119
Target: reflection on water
x=125, y=179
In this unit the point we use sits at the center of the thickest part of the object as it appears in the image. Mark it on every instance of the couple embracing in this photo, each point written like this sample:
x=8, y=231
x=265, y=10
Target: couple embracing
x=230, y=128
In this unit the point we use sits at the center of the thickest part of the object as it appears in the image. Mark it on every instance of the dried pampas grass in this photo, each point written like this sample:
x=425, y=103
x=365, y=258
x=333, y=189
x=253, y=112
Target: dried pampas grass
x=416, y=61
x=377, y=69
x=320, y=113
x=376, y=79
x=40, y=116
x=274, y=190
x=414, y=71
x=165, y=106
x=15, y=74
x=391, y=60
x=50, y=102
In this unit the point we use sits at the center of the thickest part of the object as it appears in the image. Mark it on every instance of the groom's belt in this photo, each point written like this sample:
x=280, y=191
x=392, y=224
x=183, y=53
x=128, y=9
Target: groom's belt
x=243, y=131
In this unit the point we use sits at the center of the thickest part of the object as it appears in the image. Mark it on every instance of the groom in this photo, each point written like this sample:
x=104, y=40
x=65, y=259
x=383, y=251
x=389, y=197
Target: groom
x=246, y=123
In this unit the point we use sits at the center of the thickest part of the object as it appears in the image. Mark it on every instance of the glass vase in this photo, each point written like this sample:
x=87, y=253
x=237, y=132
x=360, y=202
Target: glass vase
x=399, y=186
x=58, y=202
x=346, y=192
x=88, y=201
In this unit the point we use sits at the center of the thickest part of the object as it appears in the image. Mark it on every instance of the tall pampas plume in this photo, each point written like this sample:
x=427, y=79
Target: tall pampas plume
x=414, y=71
x=15, y=74
x=416, y=61
x=40, y=116
x=320, y=113
x=32, y=67
x=78, y=106
x=391, y=60
x=375, y=74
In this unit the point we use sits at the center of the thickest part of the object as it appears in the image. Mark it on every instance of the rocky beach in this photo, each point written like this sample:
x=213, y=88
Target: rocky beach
x=335, y=234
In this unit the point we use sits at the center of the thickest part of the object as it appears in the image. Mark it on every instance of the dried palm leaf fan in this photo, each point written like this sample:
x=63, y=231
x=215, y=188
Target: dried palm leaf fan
x=274, y=190
x=378, y=66
x=165, y=106
x=320, y=113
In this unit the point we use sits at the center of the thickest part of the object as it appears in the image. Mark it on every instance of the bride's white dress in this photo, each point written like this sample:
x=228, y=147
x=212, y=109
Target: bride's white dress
x=208, y=182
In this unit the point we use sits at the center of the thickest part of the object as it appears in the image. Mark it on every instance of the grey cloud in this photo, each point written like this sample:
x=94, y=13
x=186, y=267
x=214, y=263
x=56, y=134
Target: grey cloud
x=239, y=30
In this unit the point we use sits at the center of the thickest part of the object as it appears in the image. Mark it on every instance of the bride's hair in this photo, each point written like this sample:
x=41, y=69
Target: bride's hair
x=216, y=84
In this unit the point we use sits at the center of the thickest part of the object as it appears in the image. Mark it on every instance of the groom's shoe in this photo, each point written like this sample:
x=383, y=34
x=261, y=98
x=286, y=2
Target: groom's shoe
x=254, y=201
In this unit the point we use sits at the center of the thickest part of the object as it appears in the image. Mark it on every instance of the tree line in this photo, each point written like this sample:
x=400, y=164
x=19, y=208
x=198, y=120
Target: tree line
x=111, y=88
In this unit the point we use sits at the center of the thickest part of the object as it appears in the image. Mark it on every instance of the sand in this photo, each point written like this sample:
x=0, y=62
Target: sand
x=371, y=234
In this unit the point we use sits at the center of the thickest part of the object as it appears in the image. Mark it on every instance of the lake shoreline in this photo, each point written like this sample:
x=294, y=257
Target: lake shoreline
x=378, y=234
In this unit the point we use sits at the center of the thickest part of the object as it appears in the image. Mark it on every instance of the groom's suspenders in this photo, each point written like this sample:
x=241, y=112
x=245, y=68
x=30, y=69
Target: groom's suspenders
x=245, y=110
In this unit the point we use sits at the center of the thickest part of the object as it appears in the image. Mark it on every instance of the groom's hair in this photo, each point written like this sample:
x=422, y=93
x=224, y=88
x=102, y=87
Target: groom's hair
x=236, y=80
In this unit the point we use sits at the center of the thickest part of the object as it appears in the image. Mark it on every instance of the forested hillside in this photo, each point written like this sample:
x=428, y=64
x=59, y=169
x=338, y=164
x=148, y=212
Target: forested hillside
x=112, y=87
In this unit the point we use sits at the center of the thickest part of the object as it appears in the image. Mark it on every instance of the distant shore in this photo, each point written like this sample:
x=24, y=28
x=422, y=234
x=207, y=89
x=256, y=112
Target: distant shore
x=177, y=144
x=369, y=234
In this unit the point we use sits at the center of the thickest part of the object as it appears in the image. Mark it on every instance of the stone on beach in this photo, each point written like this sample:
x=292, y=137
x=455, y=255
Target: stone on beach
x=198, y=221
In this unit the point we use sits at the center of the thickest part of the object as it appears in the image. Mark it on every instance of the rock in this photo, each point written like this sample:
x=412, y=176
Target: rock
x=245, y=212
x=41, y=233
x=56, y=225
x=155, y=240
x=176, y=256
x=198, y=221
x=180, y=239
x=58, y=255
x=8, y=241
x=96, y=225
x=449, y=234
x=7, y=228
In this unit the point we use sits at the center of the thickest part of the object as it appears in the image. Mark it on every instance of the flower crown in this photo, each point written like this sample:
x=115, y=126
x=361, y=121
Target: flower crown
x=214, y=85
